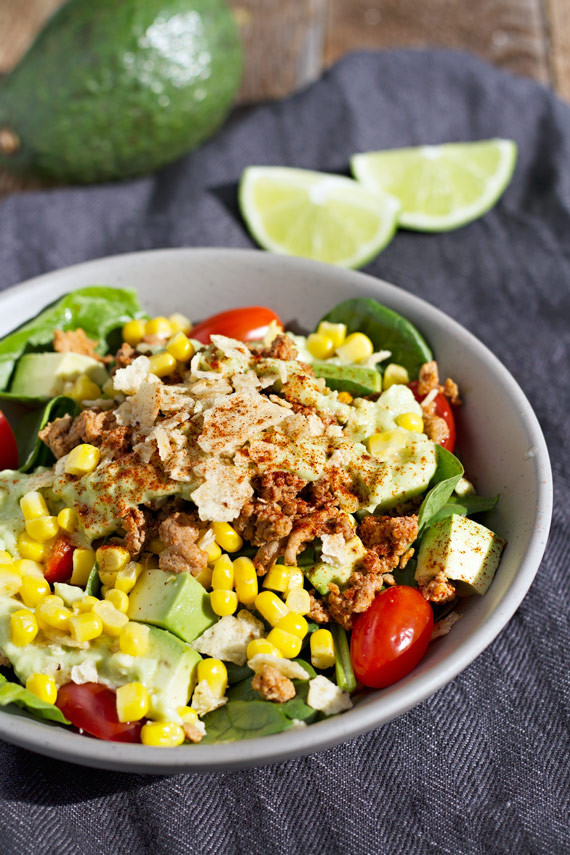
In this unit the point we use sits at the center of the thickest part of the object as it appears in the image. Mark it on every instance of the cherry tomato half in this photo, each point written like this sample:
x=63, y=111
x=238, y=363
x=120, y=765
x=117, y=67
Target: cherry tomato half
x=247, y=324
x=8, y=447
x=92, y=707
x=443, y=410
x=390, y=638
x=59, y=566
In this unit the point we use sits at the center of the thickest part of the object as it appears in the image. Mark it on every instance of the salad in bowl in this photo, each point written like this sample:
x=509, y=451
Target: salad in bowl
x=225, y=530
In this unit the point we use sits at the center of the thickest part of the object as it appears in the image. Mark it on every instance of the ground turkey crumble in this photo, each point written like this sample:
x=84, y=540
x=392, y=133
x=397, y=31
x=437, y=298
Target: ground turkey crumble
x=272, y=685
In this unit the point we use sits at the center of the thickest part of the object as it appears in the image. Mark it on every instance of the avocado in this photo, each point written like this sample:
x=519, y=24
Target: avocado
x=111, y=90
x=44, y=375
x=167, y=669
x=173, y=601
x=356, y=379
x=339, y=571
x=465, y=551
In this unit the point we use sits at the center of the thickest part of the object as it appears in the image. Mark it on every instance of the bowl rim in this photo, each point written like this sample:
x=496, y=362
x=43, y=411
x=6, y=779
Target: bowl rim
x=75, y=748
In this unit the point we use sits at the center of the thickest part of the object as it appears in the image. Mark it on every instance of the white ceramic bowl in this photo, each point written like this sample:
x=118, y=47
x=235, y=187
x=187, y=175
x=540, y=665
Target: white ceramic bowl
x=501, y=445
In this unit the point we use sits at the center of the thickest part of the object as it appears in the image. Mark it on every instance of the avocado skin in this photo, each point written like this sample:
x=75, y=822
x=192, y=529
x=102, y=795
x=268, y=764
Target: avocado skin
x=113, y=90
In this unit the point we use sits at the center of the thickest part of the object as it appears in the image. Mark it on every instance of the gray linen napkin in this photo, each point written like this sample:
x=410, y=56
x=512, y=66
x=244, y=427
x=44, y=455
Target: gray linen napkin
x=481, y=767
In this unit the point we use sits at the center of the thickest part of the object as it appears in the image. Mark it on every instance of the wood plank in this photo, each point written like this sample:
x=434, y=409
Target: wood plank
x=508, y=33
x=20, y=20
x=558, y=19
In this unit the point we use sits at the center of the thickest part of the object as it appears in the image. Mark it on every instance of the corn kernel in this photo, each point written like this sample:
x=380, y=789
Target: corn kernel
x=180, y=347
x=356, y=347
x=295, y=624
x=10, y=580
x=33, y=590
x=108, y=388
x=411, y=421
x=30, y=548
x=111, y=559
x=118, y=599
x=113, y=619
x=277, y=578
x=299, y=601
x=322, y=649
x=227, y=537
x=159, y=326
x=345, y=398
x=28, y=567
x=320, y=346
x=261, y=645
x=85, y=604
x=188, y=715
x=180, y=323
x=126, y=579
x=215, y=673
x=33, y=505
x=5, y=557
x=85, y=626
x=43, y=687
x=204, y=577
x=133, y=331
x=394, y=373
x=162, y=364
x=336, y=332
x=296, y=579
x=133, y=702
x=84, y=389
x=133, y=639
x=223, y=574
x=83, y=564
x=223, y=602
x=23, y=627
x=245, y=580
x=380, y=443
x=289, y=645
x=213, y=551
x=270, y=607
x=52, y=613
x=68, y=520
x=82, y=459
x=162, y=734
x=42, y=528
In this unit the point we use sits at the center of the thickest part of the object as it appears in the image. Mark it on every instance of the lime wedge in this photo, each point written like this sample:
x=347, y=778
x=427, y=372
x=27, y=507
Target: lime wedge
x=440, y=187
x=316, y=215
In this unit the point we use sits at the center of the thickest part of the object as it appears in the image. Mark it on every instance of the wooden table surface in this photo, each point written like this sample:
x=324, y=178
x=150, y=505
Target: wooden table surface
x=528, y=37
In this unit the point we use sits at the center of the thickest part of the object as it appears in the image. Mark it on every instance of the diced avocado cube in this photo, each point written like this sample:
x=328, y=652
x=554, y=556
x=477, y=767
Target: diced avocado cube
x=356, y=379
x=173, y=601
x=320, y=575
x=465, y=551
x=167, y=669
x=44, y=375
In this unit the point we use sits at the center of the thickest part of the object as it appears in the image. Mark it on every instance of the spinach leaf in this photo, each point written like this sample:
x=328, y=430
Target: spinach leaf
x=31, y=450
x=243, y=691
x=308, y=667
x=237, y=673
x=447, y=474
x=386, y=329
x=97, y=309
x=466, y=506
x=406, y=575
x=93, y=586
x=13, y=693
x=245, y=720
x=297, y=707
x=345, y=678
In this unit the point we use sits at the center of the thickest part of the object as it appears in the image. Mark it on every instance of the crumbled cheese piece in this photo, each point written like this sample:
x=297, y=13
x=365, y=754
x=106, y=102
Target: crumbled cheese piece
x=129, y=379
x=204, y=700
x=376, y=357
x=334, y=549
x=238, y=418
x=286, y=666
x=298, y=724
x=224, y=492
x=324, y=695
x=86, y=672
x=431, y=396
x=229, y=637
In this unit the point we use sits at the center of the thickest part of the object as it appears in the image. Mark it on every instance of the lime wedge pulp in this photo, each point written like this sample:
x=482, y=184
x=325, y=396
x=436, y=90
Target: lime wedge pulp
x=440, y=187
x=316, y=215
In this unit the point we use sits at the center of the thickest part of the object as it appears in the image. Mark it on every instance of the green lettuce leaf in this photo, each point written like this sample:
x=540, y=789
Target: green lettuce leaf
x=32, y=452
x=239, y=719
x=13, y=693
x=446, y=477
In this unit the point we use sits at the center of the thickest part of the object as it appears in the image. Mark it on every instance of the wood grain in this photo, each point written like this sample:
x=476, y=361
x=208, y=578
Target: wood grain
x=558, y=20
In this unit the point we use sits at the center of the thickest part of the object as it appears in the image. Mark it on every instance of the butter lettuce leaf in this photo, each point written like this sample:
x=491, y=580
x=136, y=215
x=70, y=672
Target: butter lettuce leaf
x=97, y=309
x=32, y=452
x=386, y=329
x=13, y=693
